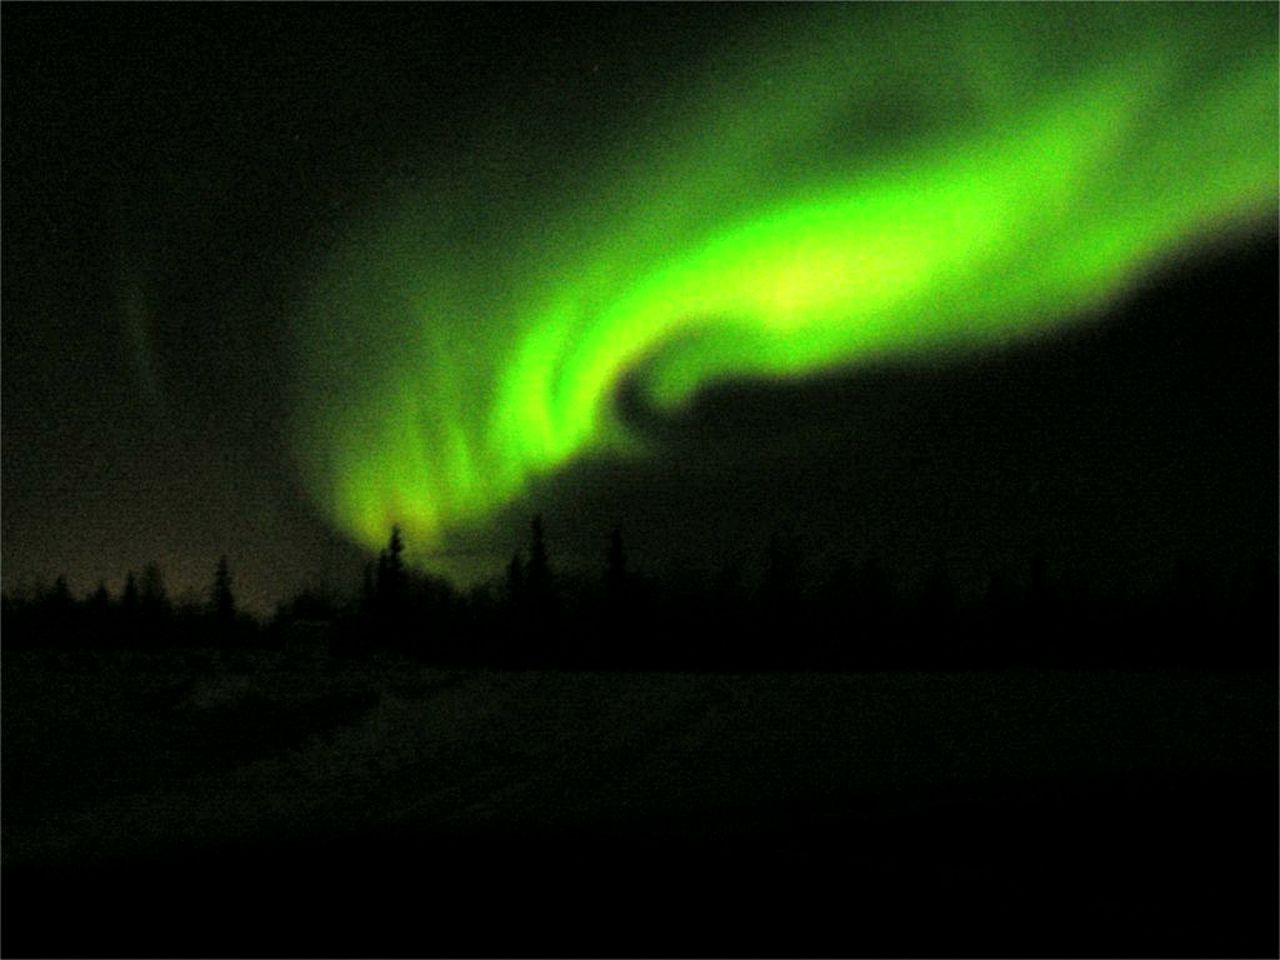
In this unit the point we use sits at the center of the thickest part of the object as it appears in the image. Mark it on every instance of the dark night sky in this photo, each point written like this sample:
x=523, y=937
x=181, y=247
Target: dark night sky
x=222, y=146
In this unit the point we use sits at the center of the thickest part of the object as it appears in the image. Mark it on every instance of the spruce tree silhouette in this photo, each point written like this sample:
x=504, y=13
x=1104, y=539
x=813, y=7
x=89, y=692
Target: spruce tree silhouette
x=59, y=610
x=60, y=595
x=368, y=591
x=541, y=606
x=509, y=647
x=154, y=606
x=100, y=601
x=515, y=581
x=224, y=601
x=58, y=600
x=389, y=591
x=155, y=596
x=395, y=566
x=539, y=567
x=131, y=601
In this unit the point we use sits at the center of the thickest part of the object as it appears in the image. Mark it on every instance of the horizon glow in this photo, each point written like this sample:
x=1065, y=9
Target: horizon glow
x=939, y=180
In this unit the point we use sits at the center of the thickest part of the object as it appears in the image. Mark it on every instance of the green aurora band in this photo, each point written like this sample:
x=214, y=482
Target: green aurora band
x=864, y=185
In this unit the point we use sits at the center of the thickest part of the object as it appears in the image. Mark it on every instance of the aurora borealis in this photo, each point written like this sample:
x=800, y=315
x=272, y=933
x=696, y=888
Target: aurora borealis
x=927, y=182
x=836, y=451
x=920, y=282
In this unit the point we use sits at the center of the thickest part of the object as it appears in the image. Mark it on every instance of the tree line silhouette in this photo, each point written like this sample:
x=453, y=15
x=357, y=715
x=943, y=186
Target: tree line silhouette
x=847, y=617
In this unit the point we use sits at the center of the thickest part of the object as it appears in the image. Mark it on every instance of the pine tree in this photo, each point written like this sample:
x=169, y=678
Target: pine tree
x=539, y=570
x=389, y=591
x=60, y=596
x=394, y=571
x=131, y=599
x=224, y=603
x=515, y=580
x=368, y=591
x=155, y=598
x=539, y=609
x=391, y=570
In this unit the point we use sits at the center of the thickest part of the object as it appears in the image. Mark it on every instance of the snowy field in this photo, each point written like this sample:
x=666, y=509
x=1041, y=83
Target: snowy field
x=136, y=759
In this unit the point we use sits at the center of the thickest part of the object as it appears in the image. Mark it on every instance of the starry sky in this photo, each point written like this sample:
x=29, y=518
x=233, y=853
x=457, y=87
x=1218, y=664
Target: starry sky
x=183, y=184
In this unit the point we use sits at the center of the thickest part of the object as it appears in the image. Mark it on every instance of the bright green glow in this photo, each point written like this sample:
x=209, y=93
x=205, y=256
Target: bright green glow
x=471, y=334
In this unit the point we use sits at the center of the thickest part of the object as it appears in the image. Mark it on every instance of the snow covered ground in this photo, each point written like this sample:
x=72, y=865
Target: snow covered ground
x=116, y=755
x=120, y=757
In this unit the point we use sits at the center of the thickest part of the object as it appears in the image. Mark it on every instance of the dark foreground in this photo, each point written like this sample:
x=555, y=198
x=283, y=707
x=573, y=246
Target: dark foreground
x=1122, y=867
x=966, y=815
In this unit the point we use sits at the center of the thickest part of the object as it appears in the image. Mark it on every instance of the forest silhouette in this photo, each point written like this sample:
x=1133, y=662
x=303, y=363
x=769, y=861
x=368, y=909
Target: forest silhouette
x=786, y=614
